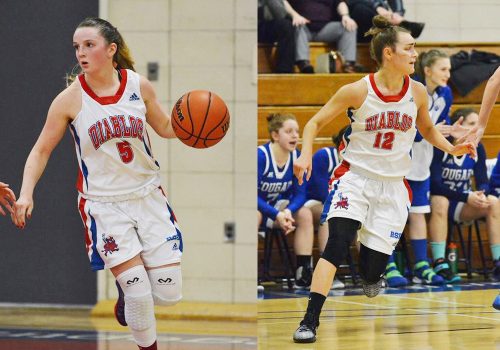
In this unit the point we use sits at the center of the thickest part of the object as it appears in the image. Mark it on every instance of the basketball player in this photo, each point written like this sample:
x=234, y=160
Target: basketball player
x=130, y=226
x=280, y=198
x=370, y=193
x=453, y=199
x=7, y=198
x=433, y=70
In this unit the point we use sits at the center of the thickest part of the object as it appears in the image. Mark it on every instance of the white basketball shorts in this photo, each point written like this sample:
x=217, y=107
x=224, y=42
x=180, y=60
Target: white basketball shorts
x=118, y=231
x=381, y=207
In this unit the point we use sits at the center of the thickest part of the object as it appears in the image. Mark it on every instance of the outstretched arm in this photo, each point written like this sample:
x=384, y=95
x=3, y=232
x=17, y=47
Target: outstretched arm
x=489, y=98
x=52, y=133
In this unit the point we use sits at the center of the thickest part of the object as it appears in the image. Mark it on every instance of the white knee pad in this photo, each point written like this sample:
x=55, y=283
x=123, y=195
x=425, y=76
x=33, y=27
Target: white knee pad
x=139, y=305
x=166, y=284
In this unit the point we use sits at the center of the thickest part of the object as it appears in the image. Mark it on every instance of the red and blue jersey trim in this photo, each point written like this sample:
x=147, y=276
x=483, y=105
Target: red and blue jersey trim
x=96, y=261
x=83, y=172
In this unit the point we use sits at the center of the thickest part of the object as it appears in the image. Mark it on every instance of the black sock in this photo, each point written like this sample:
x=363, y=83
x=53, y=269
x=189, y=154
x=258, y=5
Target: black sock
x=304, y=260
x=315, y=304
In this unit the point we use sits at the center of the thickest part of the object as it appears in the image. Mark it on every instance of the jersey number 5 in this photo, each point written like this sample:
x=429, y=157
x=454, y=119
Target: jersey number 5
x=125, y=151
x=388, y=140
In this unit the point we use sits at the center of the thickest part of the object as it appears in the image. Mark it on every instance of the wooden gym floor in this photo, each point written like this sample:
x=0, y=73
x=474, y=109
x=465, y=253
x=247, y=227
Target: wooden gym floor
x=418, y=317
x=77, y=329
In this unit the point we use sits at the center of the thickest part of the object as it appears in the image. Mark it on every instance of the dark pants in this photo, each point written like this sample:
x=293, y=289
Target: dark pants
x=362, y=12
x=282, y=32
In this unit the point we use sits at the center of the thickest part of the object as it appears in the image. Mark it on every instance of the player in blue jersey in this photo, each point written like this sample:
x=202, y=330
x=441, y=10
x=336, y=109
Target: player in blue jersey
x=324, y=161
x=433, y=70
x=7, y=198
x=280, y=198
x=454, y=199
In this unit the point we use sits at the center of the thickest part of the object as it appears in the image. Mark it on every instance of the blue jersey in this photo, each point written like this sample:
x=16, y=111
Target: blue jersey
x=495, y=178
x=323, y=163
x=451, y=175
x=422, y=151
x=275, y=183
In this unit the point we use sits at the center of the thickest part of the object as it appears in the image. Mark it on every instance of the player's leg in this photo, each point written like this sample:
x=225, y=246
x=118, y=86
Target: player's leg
x=345, y=208
x=417, y=231
x=442, y=211
x=133, y=279
x=163, y=245
x=341, y=233
x=303, y=246
x=322, y=230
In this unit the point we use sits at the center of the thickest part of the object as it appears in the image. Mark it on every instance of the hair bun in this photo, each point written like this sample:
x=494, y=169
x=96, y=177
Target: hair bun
x=381, y=22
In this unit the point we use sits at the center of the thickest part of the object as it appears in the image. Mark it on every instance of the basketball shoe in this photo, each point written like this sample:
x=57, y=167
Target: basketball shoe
x=424, y=274
x=306, y=333
x=120, y=306
x=372, y=289
x=442, y=268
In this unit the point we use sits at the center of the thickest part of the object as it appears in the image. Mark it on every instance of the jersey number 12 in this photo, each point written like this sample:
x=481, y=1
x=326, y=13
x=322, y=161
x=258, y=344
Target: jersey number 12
x=386, y=143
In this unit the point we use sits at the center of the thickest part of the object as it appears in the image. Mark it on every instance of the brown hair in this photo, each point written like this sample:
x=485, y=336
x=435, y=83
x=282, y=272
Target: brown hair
x=275, y=122
x=122, y=58
x=427, y=59
x=461, y=112
x=384, y=34
x=337, y=138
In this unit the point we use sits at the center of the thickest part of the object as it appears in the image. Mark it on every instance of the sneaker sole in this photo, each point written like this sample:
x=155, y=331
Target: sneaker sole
x=304, y=341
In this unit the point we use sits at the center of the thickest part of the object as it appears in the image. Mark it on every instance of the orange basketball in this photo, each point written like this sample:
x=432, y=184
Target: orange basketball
x=200, y=119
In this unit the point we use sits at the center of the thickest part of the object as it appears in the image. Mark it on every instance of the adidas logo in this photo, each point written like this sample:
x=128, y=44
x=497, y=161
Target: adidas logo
x=134, y=97
x=411, y=99
x=174, y=247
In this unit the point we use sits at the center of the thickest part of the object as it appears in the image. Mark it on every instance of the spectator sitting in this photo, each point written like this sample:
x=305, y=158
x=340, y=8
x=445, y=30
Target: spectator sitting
x=275, y=25
x=325, y=21
x=453, y=199
x=280, y=198
x=362, y=11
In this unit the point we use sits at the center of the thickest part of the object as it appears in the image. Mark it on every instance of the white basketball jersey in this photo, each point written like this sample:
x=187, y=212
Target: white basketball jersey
x=423, y=151
x=382, y=131
x=111, y=141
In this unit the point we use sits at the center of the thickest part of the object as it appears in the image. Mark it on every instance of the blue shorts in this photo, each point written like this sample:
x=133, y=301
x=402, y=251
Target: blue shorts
x=421, y=193
x=454, y=210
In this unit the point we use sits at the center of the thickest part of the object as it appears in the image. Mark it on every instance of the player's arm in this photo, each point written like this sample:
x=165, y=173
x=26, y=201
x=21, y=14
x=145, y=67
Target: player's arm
x=429, y=131
x=350, y=95
x=155, y=116
x=489, y=98
x=58, y=118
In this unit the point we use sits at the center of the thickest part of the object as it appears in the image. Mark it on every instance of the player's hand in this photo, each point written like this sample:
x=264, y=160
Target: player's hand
x=285, y=222
x=464, y=148
x=478, y=199
x=457, y=131
x=22, y=211
x=444, y=129
x=349, y=24
x=301, y=166
x=298, y=20
x=7, y=198
x=396, y=18
x=474, y=135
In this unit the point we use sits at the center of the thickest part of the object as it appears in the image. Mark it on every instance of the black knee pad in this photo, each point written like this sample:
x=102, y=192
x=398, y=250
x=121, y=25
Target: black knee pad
x=341, y=233
x=371, y=264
